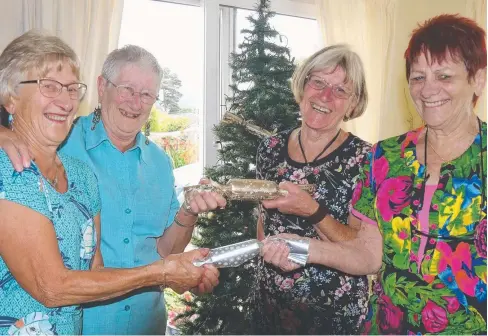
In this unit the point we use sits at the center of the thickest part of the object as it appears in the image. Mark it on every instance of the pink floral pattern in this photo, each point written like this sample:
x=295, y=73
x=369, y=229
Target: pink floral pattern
x=435, y=281
x=314, y=299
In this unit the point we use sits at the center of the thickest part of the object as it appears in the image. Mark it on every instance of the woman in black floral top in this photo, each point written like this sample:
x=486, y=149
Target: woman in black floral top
x=329, y=88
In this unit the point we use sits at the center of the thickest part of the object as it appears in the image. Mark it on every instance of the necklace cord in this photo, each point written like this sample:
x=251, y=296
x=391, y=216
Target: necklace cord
x=322, y=152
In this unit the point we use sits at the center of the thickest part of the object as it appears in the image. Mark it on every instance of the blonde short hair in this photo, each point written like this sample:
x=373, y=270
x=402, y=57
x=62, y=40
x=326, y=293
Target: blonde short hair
x=33, y=52
x=331, y=57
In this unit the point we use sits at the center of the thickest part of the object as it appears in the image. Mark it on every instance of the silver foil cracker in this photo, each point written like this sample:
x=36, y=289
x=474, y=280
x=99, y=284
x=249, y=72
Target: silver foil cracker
x=232, y=255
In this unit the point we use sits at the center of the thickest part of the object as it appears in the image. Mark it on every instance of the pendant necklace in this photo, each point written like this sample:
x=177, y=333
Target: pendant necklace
x=322, y=152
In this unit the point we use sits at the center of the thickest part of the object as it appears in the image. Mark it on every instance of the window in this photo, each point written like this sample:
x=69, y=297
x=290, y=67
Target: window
x=193, y=40
x=301, y=35
x=173, y=34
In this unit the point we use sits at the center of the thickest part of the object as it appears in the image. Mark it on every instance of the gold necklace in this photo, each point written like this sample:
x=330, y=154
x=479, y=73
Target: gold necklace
x=431, y=146
x=54, y=181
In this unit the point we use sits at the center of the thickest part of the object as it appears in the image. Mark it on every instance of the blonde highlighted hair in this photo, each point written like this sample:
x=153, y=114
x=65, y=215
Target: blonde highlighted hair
x=34, y=53
x=331, y=57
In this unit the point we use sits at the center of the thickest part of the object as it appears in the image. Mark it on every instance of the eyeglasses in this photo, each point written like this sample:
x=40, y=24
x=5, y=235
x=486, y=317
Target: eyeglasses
x=52, y=88
x=318, y=83
x=127, y=92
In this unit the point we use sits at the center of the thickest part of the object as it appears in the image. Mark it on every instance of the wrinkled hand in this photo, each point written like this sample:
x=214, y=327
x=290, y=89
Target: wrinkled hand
x=204, y=201
x=276, y=252
x=298, y=202
x=15, y=149
x=209, y=280
x=180, y=274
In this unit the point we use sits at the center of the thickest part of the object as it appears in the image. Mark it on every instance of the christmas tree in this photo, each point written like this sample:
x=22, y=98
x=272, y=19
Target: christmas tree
x=262, y=103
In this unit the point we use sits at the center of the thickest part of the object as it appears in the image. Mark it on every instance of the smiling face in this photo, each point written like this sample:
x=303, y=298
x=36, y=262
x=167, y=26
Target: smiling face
x=123, y=117
x=46, y=121
x=441, y=92
x=321, y=109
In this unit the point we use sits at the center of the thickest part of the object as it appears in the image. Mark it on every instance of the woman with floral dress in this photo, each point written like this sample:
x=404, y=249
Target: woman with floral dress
x=421, y=199
x=329, y=88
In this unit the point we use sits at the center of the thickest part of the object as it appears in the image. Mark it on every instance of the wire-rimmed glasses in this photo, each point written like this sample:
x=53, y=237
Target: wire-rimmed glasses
x=51, y=88
x=128, y=92
x=319, y=83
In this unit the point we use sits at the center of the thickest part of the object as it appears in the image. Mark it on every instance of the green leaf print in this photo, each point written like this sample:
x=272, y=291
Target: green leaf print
x=465, y=323
x=401, y=261
x=394, y=289
x=414, y=318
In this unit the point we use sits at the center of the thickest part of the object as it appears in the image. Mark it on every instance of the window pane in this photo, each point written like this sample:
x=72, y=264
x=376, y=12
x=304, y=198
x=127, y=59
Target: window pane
x=173, y=33
x=301, y=35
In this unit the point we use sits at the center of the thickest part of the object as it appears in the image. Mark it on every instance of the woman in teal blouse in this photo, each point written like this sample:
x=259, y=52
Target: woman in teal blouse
x=136, y=193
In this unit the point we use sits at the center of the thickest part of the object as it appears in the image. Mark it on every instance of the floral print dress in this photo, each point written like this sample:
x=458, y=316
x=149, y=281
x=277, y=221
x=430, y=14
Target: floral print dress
x=71, y=214
x=314, y=299
x=433, y=278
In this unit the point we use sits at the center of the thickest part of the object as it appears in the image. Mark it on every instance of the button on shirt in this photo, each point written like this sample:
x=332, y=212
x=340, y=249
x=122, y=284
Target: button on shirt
x=138, y=204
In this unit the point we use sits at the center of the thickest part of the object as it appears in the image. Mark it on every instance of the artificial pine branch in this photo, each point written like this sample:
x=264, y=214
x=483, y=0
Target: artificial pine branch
x=262, y=101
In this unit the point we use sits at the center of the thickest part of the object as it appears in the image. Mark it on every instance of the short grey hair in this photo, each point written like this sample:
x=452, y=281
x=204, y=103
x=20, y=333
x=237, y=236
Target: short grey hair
x=331, y=57
x=34, y=52
x=130, y=54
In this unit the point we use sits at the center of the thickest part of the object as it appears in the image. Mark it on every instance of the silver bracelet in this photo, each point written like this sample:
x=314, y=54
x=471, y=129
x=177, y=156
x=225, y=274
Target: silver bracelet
x=177, y=222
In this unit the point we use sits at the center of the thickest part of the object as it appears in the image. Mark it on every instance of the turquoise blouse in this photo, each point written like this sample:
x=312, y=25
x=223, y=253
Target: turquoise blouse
x=72, y=216
x=138, y=204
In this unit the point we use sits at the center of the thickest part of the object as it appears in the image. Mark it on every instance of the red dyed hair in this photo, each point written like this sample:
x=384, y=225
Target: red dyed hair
x=463, y=38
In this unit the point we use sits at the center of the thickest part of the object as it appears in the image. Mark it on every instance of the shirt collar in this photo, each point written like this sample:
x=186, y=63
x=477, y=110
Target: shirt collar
x=143, y=148
x=95, y=137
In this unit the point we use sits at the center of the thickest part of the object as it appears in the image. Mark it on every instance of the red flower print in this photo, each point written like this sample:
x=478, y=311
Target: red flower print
x=461, y=264
x=480, y=238
x=356, y=195
x=434, y=317
x=393, y=195
x=389, y=317
x=380, y=169
x=273, y=142
x=366, y=328
x=287, y=284
x=452, y=304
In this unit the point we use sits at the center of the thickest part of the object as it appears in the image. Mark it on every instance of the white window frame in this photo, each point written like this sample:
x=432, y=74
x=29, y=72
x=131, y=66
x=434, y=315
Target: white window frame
x=219, y=33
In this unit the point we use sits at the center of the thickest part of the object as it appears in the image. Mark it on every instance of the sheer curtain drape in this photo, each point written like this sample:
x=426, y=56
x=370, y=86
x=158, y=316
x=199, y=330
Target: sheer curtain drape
x=90, y=27
x=379, y=30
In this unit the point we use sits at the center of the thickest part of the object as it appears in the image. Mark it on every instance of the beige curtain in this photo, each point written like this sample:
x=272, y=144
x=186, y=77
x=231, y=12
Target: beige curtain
x=379, y=31
x=90, y=27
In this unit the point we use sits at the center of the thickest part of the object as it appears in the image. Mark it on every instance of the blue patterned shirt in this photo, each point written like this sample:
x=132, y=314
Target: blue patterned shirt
x=72, y=216
x=138, y=204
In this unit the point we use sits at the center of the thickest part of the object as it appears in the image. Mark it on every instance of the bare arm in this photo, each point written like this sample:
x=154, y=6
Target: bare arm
x=97, y=261
x=39, y=269
x=335, y=231
x=178, y=235
x=360, y=256
x=299, y=203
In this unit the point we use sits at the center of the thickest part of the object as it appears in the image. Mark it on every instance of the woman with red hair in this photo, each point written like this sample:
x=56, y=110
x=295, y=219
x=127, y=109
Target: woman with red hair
x=420, y=202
